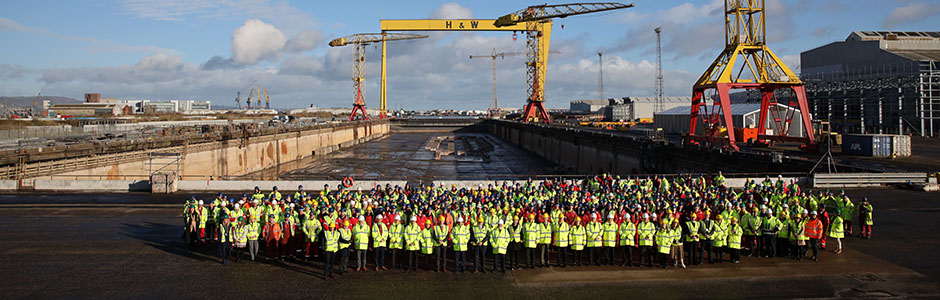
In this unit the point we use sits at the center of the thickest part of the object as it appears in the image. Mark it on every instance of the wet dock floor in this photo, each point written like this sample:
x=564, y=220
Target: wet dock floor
x=421, y=155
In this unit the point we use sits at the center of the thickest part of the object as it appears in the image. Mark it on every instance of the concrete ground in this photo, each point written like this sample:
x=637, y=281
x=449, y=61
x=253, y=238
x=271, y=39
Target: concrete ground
x=129, y=246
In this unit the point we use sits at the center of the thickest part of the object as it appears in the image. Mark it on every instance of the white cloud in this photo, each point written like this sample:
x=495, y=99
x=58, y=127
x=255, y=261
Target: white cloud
x=255, y=41
x=304, y=41
x=92, y=44
x=279, y=12
x=452, y=10
x=910, y=13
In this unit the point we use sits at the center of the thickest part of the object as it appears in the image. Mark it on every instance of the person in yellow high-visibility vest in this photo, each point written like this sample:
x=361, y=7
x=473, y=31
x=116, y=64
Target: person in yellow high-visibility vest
x=379, y=241
x=609, y=238
x=412, y=237
x=427, y=244
x=361, y=242
x=595, y=232
x=646, y=231
x=460, y=236
x=531, y=232
x=663, y=244
x=734, y=240
x=330, y=247
x=396, y=237
x=499, y=237
x=562, y=231
x=578, y=238
x=627, y=235
x=441, y=235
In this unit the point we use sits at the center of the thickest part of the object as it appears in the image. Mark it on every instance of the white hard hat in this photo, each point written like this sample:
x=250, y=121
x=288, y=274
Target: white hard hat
x=500, y=222
x=413, y=218
x=361, y=218
x=200, y=202
x=805, y=211
x=255, y=201
x=459, y=219
x=610, y=215
x=785, y=205
x=291, y=205
x=397, y=218
x=654, y=215
x=812, y=212
x=646, y=215
x=626, y=215
x=241, y=201
x=379, y=217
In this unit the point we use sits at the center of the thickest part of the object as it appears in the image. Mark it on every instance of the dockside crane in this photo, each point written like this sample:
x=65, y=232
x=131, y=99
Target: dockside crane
x=494, y=110
x=238, y=96
x=538, y=21
x=359, y=63
x=747, y=63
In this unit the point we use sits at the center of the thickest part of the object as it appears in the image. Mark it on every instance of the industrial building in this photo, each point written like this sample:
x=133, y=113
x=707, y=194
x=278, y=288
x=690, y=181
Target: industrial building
x=587, y=106
x=644, y=107
x=86, y=109
x=677, y=119
x=876, y=82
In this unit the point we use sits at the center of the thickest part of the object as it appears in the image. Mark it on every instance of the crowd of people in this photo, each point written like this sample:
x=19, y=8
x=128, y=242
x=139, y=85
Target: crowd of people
x=603, y=219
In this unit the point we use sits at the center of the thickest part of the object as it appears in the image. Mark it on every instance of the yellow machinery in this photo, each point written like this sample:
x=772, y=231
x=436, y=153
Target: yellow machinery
x=359, y=64
x=747, y=63
x=535, y=21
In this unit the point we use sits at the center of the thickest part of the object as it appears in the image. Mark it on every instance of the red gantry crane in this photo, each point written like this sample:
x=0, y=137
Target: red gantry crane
x=747, y=63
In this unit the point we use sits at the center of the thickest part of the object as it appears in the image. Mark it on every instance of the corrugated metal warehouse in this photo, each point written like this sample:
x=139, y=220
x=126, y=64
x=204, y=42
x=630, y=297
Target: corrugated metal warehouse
x=676, y=120
x=876, y=82
x=643, y=107
x=587, y=106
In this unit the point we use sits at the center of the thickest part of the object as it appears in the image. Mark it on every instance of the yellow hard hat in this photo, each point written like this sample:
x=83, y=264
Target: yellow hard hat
x=440, y=218
x=345, y=222
x=428, y=221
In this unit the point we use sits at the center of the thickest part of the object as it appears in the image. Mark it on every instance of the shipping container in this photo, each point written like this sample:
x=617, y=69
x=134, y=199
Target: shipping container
x=901, y=145
x=874, y=145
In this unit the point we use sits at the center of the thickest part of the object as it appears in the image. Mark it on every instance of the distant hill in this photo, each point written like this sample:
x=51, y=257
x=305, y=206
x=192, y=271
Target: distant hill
x=28, y=101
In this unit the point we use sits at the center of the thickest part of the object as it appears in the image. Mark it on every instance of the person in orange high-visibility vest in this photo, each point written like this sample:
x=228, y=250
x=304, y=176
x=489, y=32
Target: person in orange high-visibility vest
x=814, y=230
x=272, y=235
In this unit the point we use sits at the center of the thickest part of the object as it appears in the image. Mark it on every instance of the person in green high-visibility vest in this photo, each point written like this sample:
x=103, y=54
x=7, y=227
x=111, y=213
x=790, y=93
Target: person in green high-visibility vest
x=480, y=242
x=663, y=244
x=864, y=218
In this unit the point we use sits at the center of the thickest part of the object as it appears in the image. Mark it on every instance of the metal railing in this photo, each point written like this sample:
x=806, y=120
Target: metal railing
x=868, y=179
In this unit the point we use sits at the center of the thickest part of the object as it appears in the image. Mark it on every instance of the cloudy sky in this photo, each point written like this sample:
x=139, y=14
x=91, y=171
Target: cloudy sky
x=210, y=49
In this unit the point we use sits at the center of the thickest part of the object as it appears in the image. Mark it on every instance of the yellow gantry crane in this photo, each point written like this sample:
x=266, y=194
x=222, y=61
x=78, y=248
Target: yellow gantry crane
x=747, y=63
x=359, y=64
x=535, y=21
x=494, y=110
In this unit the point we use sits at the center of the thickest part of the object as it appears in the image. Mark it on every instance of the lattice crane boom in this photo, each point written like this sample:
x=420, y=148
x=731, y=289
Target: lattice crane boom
x=545, y=12
x=538, y=21
x=360, y=40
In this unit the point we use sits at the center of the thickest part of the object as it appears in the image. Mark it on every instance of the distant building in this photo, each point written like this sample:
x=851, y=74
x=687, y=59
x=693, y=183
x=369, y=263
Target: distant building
x=876, y=82
x=643, y=107
x=161, y=107
x=587, y=106
x=87, y=109
x=92, y=97
x=678, y=119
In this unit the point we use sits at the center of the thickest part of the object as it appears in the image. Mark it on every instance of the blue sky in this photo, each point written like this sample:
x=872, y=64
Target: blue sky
x=165, y=49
